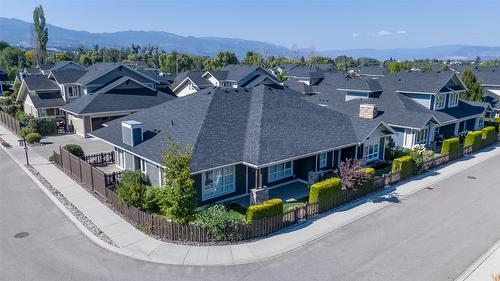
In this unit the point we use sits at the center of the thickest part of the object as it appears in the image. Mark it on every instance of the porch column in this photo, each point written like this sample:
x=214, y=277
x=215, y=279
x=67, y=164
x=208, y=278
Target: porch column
x=356, y=152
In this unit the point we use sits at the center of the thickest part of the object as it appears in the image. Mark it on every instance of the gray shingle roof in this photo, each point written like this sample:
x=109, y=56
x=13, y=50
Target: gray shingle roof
x=40, y=83
x=418, y=81
x=224, y=126
x=68, y=76
x=96, y=70
x=118, y=100
x=236, y=72
x=46, y=100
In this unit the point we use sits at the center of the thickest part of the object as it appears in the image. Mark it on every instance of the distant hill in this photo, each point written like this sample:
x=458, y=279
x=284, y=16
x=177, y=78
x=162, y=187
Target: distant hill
x=18, y=32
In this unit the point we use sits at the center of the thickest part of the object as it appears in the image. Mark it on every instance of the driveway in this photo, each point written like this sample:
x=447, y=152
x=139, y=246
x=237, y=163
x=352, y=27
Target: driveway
x=89, y=145
x=434, y=234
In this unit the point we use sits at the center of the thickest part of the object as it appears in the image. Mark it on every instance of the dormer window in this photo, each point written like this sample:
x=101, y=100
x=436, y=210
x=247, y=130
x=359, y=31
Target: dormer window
x=453, y=100
x=440, y=101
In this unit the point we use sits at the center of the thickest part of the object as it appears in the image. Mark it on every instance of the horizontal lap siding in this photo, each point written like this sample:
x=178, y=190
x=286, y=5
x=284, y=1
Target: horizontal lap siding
x=240, y=181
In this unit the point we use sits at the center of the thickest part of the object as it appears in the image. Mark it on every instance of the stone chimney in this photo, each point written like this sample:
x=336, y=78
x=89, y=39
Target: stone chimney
x=368, y=111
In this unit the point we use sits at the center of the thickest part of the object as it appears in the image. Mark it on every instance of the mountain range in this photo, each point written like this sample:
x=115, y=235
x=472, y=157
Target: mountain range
x=19, y=33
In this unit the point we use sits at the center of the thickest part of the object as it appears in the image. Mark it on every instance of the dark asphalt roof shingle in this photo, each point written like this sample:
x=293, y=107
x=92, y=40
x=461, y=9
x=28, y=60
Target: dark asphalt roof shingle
x=68, y=76
x=258, y=126
x=40, y=83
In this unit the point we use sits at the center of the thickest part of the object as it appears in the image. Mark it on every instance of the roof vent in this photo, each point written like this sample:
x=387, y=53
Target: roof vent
x=132, y=132
x=172, y=122
x=368, y=111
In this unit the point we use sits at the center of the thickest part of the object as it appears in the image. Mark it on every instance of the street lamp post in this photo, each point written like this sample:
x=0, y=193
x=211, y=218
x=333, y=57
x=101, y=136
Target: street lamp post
x=23, y=143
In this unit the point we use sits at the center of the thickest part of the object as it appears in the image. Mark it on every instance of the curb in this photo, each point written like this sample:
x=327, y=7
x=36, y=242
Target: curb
x=130, y=254
x=477, y=263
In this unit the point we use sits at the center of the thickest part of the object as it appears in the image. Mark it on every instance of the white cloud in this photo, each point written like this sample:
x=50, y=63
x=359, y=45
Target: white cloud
x=356, y=35
x=383, y=33
x=401, y=32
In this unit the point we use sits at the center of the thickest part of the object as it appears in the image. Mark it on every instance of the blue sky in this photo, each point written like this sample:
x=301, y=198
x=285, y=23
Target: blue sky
x=326, y=25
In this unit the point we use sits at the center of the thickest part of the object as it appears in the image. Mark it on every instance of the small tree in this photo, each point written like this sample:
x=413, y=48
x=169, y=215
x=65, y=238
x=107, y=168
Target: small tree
x=475, y=90
x=352, y=174
x=131, y=188
x=420, y=154
x=180, y=200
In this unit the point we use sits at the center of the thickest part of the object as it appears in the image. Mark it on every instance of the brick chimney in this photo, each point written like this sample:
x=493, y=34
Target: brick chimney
x=368, y=111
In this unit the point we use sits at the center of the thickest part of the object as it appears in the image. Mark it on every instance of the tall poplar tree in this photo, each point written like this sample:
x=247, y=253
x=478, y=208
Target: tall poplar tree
x=41, y=33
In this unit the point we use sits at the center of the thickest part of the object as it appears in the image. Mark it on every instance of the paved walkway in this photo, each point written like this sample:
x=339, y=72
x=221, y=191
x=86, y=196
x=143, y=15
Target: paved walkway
x=133, y=243
x=485, y=267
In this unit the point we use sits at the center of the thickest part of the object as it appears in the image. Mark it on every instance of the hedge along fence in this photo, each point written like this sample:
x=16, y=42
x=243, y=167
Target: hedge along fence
x=495, y=122
x=452, y=147
x=405, y=166
x=489, y=135
x=366, y=186
x=474, y=139
x=266, y=209
x=325, y=191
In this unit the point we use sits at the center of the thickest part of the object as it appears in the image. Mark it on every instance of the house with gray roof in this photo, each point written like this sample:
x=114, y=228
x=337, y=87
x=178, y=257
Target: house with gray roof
x=70, y=93
x=242, y=138
x=421, y=107
x=231, y=76
x=309, y=75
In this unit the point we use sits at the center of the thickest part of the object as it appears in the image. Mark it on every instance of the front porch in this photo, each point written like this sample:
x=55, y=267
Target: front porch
x=289, y=192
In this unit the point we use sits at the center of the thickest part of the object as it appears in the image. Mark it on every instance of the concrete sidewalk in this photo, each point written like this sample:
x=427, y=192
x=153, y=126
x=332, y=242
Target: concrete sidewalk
x=484, y=267
x=133, y=243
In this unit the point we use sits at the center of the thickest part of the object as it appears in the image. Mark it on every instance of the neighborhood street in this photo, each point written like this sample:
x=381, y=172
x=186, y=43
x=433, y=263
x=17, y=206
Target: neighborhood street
x=434, y=234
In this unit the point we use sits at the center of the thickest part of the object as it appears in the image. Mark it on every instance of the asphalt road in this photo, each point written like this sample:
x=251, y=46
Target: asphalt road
x=432, y=235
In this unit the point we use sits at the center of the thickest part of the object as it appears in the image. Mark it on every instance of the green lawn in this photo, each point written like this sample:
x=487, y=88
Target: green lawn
x=238, y=212
x=287, y=206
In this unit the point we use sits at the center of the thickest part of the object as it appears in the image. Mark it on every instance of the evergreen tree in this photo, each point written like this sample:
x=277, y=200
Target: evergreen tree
x=41, y=33
x=180, y=201
x=475, y=90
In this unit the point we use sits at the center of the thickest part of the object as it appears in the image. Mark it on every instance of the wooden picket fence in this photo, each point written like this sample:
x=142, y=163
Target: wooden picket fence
x=164, y=228
x=85, y=172
x=10, y=122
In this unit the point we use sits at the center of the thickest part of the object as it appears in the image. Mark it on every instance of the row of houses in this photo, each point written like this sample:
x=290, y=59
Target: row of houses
x=246, y=129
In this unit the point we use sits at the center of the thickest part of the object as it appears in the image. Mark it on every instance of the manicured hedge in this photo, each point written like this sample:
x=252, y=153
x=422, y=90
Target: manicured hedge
x=75, y=149
x=495, y=122
x=44, y=125
x=325, y=191
x=474, y=139
x=367, y=187
x=453, y=147
x=33, y=138
x=265, y=209
x=489, y=135
x=405, y=166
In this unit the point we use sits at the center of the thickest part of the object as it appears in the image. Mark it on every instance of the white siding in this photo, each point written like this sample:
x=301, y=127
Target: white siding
x=184, y=91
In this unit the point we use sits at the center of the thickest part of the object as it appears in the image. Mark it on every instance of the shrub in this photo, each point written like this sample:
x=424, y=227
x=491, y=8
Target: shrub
x=26, y=131
x=367, y=186
x=33, y=138
x=420, y=154
x=131, y=188
x=44, y=125
x=351, y=174
x=219, y=224
x=453, y=147
x=153, y=198
x=52, y=158
x=489, y=135
x=180, y=201
x=75, y=149
x=22, y=117
x=474, y=139
x=265, y=209
x=405, y=166
x=325, y=192
x=495, y=122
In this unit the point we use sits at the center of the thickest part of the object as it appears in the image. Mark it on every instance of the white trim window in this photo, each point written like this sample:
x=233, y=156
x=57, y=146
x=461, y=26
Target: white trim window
x=218, y=182
x=422, y=136
x=440, y=101
x=453, y=100
x=322, y=160
x=280, y=171
x=144, y=169
x=120, y=157
x=371, y=150
x=480, y=122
